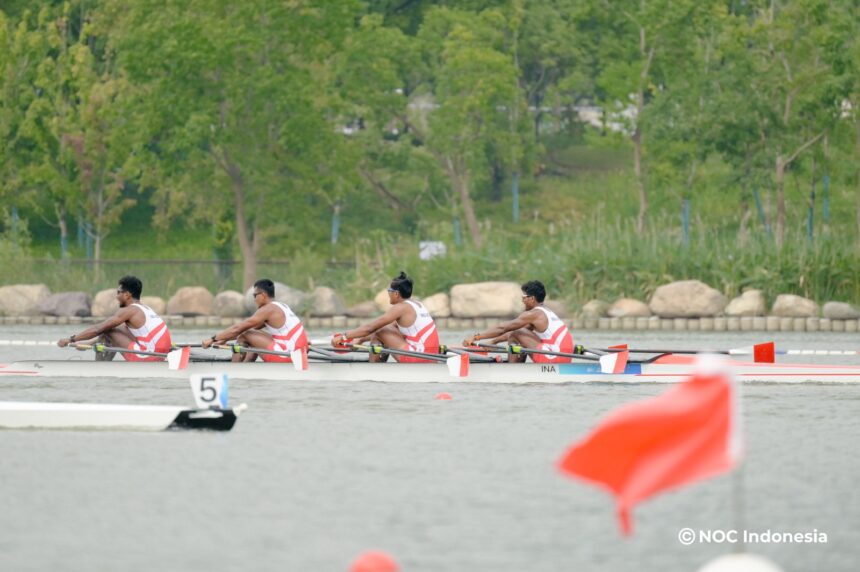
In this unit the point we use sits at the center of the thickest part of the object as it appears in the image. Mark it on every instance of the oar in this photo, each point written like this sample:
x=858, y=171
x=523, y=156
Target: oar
x=518, y=349
x=762, y=353
x=176, y=359
x=458, y=365
x=299, y=355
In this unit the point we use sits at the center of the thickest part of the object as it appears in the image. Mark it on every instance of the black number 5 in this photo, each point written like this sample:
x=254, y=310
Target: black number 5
x=207, y=392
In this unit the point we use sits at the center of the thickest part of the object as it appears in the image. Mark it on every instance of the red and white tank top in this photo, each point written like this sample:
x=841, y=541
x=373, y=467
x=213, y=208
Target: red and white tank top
x=292, y=334
x=556, y=336
x=422, y=335
x=153, y=335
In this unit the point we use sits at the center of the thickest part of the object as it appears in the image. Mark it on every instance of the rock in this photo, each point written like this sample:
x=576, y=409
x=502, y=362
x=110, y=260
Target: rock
x=750, y=303
x=624, y=307
x=557, y=306
x=326, y=301
x=439, y=305
x=22, y=299
x=296, y=299
x=66, y=304
x=793, y=306
x=157, y=303
x=687, y=299
x=229, y=304
x=594, y=309
x=486, y=300
x=363, y=310
x=840, y=311
x=381, y=300
x=104, y=303
x=191, y=301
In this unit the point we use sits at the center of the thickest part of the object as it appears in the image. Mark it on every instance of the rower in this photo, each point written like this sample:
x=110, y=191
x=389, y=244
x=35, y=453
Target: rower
x=406, y=325
x=134, y=326
x=274, y=327
x=536, y=328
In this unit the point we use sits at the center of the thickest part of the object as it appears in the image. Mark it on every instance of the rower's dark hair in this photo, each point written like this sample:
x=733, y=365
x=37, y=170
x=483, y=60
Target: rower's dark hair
x=132, y=285
x=402, y=284
x=534, y=288
x=266, y=286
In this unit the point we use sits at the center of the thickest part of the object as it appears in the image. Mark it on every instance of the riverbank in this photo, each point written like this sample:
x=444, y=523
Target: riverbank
x=653, y=323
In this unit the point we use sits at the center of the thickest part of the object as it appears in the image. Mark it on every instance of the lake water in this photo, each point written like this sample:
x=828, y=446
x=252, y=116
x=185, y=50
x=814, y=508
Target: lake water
x=315, y=473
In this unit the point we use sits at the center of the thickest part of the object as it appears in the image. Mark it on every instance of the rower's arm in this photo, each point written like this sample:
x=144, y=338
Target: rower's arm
x=120, y=317
x=258, y=320
x=368, y=329
x=499, y=332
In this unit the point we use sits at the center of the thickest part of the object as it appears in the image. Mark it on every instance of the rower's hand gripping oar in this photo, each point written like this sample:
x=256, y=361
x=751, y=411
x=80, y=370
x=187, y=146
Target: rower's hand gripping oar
x=176, y=359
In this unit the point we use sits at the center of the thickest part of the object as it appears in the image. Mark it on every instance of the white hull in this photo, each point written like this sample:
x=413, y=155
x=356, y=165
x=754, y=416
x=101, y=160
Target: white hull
x=32, y=415
x=431, y=372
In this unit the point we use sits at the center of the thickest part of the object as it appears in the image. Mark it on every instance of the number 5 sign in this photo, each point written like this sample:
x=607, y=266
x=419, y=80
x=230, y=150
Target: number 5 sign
x=210, y=390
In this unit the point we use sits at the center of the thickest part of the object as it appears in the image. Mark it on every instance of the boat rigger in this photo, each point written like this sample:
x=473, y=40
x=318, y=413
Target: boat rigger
x=664, y=369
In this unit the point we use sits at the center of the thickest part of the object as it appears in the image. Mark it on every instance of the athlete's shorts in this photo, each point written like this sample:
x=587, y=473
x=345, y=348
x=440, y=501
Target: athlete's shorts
x=410, y=359
x=276, y=347
x=541, y=358
x=163, y=345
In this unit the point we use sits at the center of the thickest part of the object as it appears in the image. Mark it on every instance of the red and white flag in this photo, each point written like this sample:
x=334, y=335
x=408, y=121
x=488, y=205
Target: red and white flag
x=300, y=358
x=689, y=433
x=458, y=365
x=178, y=359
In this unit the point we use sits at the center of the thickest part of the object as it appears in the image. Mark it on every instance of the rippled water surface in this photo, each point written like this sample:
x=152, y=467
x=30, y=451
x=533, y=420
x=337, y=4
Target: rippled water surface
x=315, y=473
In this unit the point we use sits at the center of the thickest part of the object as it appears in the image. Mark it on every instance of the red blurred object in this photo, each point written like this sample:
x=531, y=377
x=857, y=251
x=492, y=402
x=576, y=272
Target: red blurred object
x=444, y=396
x=374, y=561
x=687, y=434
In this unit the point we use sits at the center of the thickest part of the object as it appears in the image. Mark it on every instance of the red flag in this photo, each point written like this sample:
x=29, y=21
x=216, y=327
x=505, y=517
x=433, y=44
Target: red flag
x=687, y=434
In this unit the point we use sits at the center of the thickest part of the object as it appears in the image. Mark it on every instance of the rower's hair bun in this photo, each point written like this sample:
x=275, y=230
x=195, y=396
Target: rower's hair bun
x=402, y=276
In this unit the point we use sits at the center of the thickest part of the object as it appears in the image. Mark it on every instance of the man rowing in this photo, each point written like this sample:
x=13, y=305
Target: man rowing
x=134, y=326
x=273, y=327
x=406, y=325
x=537, y=328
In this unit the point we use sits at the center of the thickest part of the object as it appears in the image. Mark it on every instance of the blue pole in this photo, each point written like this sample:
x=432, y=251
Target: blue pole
x=335, y=223
x=88, y=237
x=80, y=233
x=825, y=207
x=15, y=220
x=515, y=192
x=458, y=235
x=685, y=220
x=760, y=210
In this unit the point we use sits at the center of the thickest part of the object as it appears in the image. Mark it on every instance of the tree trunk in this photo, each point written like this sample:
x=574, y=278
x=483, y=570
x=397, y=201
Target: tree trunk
x=857, y=125
x=640, y=183
x=248, y=241
x=460, y=178
x=780, y=200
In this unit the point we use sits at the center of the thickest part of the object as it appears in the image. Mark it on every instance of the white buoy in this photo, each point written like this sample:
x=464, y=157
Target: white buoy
x=740, y=563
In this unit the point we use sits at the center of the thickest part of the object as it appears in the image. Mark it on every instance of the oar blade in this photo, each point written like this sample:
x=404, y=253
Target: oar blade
x=458, y=365
x=300, y=359
x=614, y=362
x=764, y=353
x=178, y=359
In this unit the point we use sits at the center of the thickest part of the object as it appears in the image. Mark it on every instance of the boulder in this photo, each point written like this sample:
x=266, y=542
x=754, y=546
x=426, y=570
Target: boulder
x=594, y=309
x=295, y=299
x=557, y=306
x=381, y=300
x=363, y=310
x=104, y=303
x=793, y=306
x=22, y=299
x=628, y=307
x=229, y=304
x=687, y=299
x=157, y=303
x=66, y=304
x=326, y=301
x=191, y=301
x=840, y=311
x=486, y=300
x=750, y=303
x=439, y=305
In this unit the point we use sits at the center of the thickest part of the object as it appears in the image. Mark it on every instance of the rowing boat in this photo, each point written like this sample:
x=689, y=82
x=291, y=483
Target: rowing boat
x=664, y=369
x=31, y=415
